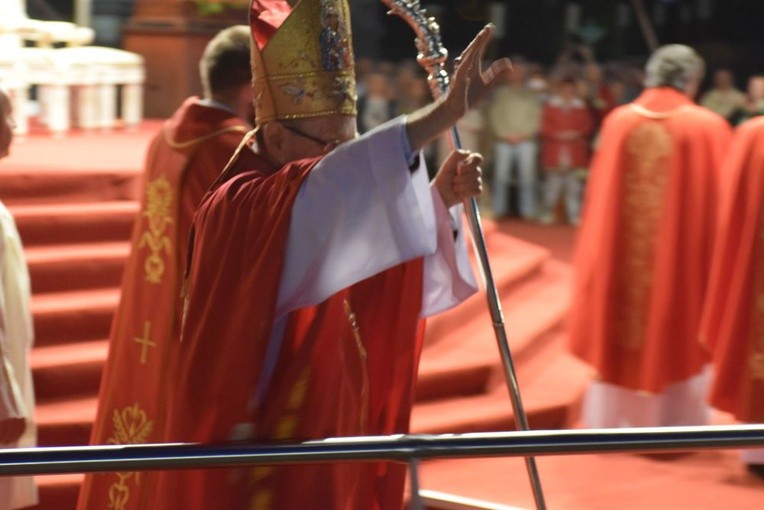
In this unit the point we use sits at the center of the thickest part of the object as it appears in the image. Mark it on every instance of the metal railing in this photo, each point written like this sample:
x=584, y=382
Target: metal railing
x=401, y=448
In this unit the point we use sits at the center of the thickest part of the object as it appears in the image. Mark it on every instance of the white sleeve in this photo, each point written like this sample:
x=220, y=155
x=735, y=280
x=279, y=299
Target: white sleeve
x=360, y=211
x=448, y=275
x=11, y=402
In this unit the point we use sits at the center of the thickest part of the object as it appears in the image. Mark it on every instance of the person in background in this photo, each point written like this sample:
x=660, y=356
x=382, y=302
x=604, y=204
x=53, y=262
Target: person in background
x=537, y=81
x=17, y=403
x=514, y=116
x=753, y=105
x=597, y=94
x=642, y=259
x=376, y=105
x=183, y=160
x=724, y=98
x=733, y=317
x=566, y=128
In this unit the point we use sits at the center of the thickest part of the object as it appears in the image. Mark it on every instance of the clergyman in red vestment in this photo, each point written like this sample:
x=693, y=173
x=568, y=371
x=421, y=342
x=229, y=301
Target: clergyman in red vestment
x=310, y=272
x=644, y=250
x=733, y=318
x=183, y=160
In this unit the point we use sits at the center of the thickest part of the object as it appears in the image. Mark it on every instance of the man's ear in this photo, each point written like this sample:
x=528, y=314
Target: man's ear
x=273, y=135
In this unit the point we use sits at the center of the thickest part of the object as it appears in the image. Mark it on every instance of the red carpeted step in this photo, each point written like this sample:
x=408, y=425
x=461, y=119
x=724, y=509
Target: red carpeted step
x=70, y=223
x=550, y=402
x=66, y=422
x=438, y=500
x=19, y=187
x=706, y=480
x=73, y=316
x=81, y=167
x=512, y=262
x=58, y=492
x=64, y=267
x=462, y=360
x=68, y=369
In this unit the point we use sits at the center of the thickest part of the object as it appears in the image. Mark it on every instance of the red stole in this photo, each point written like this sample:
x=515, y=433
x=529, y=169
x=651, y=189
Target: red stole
x=733, y=325
x=346, y=367
x=643, y=252
x=182, y=162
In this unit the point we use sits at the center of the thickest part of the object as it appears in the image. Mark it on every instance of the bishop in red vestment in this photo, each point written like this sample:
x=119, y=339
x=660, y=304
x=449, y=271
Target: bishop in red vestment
x=733, y=320
x=311, y=271
x=183, y=160
x=644, y=250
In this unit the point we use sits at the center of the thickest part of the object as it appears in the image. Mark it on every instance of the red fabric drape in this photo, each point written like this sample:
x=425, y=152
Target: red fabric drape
x=643, y=253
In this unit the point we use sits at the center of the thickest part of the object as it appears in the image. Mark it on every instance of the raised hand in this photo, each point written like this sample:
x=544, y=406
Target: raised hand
x=470, y=83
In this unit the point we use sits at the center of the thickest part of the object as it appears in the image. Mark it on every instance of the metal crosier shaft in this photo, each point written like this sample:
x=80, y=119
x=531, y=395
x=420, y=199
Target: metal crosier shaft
x=432, y=56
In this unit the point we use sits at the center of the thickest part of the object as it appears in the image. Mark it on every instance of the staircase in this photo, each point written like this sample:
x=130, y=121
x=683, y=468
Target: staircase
x=462, y=387
x=74, y=200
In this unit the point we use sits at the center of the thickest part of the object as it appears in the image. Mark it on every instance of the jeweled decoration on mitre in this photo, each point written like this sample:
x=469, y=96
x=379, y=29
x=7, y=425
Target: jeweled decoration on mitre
x=302, y=59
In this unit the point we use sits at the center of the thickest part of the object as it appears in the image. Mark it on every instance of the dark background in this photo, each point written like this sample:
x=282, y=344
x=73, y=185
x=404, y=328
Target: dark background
x=728, y=33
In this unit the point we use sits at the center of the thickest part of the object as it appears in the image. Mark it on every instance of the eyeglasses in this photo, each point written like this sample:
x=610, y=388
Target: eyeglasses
x=328, y=145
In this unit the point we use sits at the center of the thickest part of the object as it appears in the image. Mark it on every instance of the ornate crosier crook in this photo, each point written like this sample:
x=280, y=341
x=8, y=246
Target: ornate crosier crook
x=433, y=56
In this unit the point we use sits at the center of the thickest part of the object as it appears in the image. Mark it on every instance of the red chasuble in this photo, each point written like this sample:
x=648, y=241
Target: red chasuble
x=183, y=160
x=733, y=325
x=644, y=249
x=345, y=367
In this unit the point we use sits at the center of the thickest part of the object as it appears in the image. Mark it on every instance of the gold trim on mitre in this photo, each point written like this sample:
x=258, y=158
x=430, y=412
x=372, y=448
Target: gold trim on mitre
x=306, y=68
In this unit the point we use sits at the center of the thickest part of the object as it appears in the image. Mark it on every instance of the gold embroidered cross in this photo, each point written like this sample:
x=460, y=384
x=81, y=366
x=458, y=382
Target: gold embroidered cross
x=145, y=341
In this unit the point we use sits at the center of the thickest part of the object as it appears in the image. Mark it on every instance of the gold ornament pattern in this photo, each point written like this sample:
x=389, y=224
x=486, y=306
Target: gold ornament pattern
x=353, y=322
x=756, y=365
x=648, y=149
x=262, y=497
x=131, y=426
x=756, y=358
x=159, y=201
x=145, y=341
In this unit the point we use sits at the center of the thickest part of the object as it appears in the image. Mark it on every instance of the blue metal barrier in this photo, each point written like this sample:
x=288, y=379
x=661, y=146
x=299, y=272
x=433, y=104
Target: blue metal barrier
x=401, y=448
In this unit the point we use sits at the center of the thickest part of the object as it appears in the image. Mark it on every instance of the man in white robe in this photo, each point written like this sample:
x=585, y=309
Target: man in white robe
x=17, y=427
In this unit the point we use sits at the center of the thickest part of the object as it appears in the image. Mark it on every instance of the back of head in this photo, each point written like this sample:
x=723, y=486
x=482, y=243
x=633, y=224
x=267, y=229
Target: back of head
x=6, y=124
x=225, y=63
x=675, y=65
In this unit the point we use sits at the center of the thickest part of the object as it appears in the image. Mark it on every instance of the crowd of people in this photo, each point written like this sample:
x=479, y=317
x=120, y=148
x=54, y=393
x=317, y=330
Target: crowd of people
x=539, y=130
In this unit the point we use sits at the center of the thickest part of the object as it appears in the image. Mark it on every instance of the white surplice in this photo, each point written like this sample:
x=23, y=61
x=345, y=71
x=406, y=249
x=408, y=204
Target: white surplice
x=363, y=210
x=360, y=211
x=16, y=339
x=680, y=404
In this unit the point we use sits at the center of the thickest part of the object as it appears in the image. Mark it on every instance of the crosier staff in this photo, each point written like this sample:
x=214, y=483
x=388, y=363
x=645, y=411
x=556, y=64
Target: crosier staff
x=433, y=56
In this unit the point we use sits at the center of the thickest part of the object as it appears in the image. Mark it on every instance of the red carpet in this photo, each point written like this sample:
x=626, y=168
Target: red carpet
x=74, y=201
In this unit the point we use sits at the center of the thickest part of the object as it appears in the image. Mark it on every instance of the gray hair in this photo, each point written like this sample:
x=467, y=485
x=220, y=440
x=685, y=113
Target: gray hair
x=674, y=65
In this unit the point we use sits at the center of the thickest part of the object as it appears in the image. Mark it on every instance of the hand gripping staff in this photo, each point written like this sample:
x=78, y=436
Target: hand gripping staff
x=432, y=56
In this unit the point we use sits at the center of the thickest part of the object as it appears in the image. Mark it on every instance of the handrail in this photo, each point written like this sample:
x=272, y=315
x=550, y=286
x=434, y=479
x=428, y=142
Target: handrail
x=400, y=448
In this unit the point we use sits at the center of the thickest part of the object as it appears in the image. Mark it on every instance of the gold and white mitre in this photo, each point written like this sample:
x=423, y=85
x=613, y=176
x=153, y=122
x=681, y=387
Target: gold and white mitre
x=302, y=59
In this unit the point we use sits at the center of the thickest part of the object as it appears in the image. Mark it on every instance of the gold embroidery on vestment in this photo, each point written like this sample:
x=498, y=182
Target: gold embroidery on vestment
x=756, y=365
x=284, y=429
x=131, y=426
x=648, y=149
x=353, y=321
x=159, y=200
x=145, y=341
x=262, y=500
x=756, y=356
